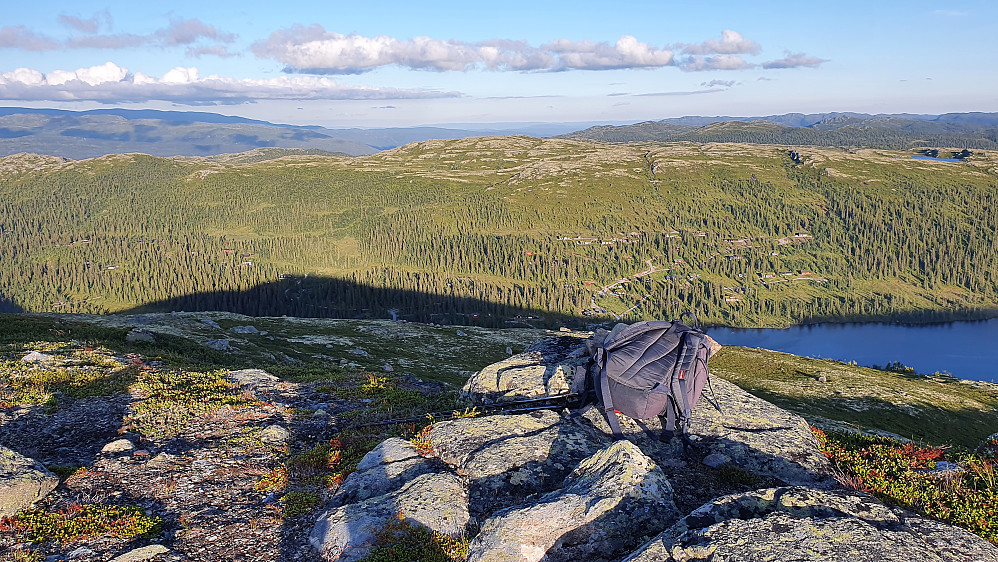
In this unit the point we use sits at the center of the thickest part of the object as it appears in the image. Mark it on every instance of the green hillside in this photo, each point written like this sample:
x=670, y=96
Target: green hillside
x=482, y=230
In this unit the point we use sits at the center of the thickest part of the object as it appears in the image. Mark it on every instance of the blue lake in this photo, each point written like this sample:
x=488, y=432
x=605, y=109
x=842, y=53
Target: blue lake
x=935, y=159
x=968, y=350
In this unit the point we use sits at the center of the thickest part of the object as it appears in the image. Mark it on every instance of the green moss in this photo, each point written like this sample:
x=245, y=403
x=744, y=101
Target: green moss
x=297, y=503
x=173, y=398
x=401, y=541
x=87, y=521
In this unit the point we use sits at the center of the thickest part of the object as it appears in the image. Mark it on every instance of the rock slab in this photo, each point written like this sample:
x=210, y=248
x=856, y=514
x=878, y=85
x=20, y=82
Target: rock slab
x=23, y=481
x=607, y=504
x=799, y=523
x=436, y=501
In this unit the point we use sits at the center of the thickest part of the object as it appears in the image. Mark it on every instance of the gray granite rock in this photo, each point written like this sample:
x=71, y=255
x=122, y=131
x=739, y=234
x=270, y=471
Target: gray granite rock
x=23, y=481
x=140, y=335
x=275, y=435
x=607, y=505
x=388, y=467
x=436, y=501
x=508, y=457
x=142, y=554
x=807, y=524
x=248, y=379
x=118, y=446
x=220, y=345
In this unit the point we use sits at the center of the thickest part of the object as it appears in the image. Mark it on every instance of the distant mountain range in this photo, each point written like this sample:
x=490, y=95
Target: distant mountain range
x=87, y=134
x=896, y=131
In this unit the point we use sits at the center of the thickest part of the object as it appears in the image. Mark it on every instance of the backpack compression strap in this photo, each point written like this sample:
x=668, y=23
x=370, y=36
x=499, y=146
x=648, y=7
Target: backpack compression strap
x=603, y=392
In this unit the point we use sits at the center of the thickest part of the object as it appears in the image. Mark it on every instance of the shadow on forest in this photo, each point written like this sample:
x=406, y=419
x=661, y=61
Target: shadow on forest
x=9, y=306
x=325, y=297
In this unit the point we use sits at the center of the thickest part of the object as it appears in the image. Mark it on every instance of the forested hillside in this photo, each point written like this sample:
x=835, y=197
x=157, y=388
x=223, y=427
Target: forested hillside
x=484, y=230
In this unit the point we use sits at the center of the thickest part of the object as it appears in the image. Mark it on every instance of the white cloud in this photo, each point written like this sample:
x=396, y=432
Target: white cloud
x=725, y=83
x=314, y=50
x=627, y=52
x=110, y=83
x=794, y=60
x=731, y=43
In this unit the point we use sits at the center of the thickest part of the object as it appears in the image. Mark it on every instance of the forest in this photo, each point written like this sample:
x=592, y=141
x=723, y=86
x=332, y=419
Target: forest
x=511, y=230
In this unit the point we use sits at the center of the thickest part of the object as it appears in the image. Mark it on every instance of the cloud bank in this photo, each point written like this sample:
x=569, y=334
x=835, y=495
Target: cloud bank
x=110, y=83
x=313, y=50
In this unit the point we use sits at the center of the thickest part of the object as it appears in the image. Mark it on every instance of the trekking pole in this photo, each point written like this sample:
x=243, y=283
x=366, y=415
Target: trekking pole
x=517, y=406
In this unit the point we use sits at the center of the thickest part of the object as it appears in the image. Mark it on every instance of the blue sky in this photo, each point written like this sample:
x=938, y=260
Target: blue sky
x=392, y=63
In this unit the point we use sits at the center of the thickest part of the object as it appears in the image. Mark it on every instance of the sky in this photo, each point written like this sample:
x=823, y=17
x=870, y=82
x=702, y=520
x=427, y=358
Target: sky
x=388, y=63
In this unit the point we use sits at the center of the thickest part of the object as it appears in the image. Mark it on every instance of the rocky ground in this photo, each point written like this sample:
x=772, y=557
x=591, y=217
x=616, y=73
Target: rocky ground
x=239, y=464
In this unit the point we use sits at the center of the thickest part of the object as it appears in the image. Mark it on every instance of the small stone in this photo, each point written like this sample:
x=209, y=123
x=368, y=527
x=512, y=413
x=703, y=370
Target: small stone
x=275, y=435
x=140, y=335
x=822, y=378
x=38, y=358
x=564, y=329
x=81, y=552
x=210, y=323
x=320, y=414
x=142, y=554
x=716, y=460
x=509, y=350
x=359, y=351
x=141, y=453
x=160, y=460
x=118, y=446
x=244, y=330
x=220, y=345
x=462, y=334
x=388, y=368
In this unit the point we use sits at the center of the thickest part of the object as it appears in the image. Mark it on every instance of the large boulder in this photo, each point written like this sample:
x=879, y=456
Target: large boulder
x=742, y=430
x=606, y=505
x=509, y=457
x=437, y=501
x=546, y=368
x=798, y=523
x=23, y=481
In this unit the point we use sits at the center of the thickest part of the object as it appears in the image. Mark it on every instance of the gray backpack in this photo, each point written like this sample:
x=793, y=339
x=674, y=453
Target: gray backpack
x=649, y=369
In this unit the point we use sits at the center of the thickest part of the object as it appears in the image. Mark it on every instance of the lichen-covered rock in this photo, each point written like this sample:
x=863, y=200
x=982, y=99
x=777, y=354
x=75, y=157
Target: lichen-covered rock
x=142, y=553
x=275, y=435
x=437, y=501
x=23, y=481
x=546, y=368
x=608, y=503
x=388, y=467
x=798, y=523
x=248, y=379
x=118, y=446
x=508, y=457
x=140, y=335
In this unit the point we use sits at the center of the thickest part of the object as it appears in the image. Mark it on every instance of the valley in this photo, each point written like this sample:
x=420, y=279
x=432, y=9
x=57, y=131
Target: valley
x=502, y=231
